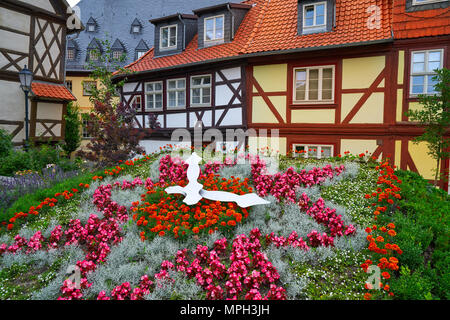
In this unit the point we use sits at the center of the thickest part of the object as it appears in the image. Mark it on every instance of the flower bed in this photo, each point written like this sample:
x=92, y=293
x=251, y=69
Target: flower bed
x=220, y=250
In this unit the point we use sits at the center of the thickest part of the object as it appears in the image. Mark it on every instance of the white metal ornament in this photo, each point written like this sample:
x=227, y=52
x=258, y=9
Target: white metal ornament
x=194, y=191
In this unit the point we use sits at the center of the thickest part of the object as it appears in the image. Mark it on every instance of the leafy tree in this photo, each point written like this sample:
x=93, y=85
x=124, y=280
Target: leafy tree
x=111, y=123
x=6, y=144
x=72, y=138
x=435, y=118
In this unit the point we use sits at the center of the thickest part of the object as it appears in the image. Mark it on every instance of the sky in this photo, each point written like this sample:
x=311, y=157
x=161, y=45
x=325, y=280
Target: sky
x=73, y=2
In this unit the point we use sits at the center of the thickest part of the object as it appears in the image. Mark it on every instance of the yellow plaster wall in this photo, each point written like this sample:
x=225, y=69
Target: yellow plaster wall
x=424, y=163
x=399, y=107
x=348, y=102
x=272, y=77
x=356, y=146
x=398, y=152
x=279, y=103
x=77, y=90
x=313, y=116
x=372, y=111
x=415, y=106
x=359, y=73
x=401, y=66
x=261, y=112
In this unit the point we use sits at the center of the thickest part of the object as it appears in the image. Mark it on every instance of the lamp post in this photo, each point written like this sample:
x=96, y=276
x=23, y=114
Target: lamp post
x=26, y=78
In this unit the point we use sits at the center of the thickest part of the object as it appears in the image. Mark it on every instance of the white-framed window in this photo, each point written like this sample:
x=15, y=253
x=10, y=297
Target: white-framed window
x=313, y=151
x=71, y=54
x=137, y=102
x=214, y=28
x=153, y=95
x=69, y=84
x=314, y=16
x=84, y=126
x=94, y=55
x=136, y=29
x=419, y=2
x=140, y=53
x=201, y=90
x=88, y=86
x=168, y=37
x=314, y=84
x=117, y=54
x=91, y=27
x=176, y=93
x=423, y=66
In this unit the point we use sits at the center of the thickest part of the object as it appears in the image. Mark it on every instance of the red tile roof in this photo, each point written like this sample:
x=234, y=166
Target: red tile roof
x=418, y=24
x=52, y=91
x=271, y=25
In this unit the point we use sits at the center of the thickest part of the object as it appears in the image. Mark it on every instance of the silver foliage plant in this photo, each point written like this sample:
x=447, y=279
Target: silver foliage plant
x=176, y=286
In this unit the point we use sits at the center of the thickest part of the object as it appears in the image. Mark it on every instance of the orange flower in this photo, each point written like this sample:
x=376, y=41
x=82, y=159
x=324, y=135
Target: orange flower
x=391, y=226
x=367, y=296
x=379, y=239
x=386, y=275
x=392, y=233
x=195, y=230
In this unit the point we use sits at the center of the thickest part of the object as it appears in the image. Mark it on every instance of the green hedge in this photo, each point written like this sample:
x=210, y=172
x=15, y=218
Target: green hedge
x=422, y=226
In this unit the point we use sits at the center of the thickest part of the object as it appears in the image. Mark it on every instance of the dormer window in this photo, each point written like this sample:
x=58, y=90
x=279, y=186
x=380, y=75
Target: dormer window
x=71, y=54
x=168, y=37
x=214, y=28
x=419, y=2
x=314, y=17
x=91, y=25
x=136, y=27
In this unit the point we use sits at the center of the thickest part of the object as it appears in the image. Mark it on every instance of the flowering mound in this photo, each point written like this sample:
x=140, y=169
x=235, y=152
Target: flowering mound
x=161, y=214
x=237, y=266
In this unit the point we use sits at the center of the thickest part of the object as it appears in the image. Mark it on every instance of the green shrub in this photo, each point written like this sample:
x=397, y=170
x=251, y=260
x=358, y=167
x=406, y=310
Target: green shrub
x=412, y=286
x=17, y=160
x=5, y=143
x=35, y=159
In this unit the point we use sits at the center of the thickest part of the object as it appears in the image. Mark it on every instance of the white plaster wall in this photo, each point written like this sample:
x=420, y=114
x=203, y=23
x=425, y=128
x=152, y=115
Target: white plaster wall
x=130, y=86
x=207, y=119
x=47, y=110
x=176, y=120
x=12, y=106
x=14, y=20
x=44, y=4
x=230, y=74
x=14, y=41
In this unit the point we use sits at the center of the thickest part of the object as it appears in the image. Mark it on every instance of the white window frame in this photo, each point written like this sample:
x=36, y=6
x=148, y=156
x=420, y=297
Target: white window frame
x=176, y=90
x=319, y=97
x=140, y=53
x=201, y=87
x=71, y=54
x=315, y=25
x=117, y=54
x=416, y=3
x=91, y=84
x=426, y=73
x=154, y=93
x=136, y=29
x=169, y=47
x=307, y=147
x=94, y=55
x=215, y=28
x=91, y=27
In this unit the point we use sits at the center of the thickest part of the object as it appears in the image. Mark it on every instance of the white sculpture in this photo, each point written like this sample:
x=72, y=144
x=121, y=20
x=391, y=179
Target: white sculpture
x=194, y=192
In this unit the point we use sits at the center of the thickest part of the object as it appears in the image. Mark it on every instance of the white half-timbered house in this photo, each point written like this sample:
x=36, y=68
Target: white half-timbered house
x=33, y=34
x=180, y=92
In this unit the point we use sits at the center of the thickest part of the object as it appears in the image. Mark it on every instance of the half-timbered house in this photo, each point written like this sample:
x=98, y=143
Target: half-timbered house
x=331, y=75
x=33, y=34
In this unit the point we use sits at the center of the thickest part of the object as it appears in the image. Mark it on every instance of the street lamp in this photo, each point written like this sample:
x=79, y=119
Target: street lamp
x=26, y=78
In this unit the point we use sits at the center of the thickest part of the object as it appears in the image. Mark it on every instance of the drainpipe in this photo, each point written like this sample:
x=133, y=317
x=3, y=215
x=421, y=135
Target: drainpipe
x=232, y=21
x=184, y=32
